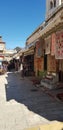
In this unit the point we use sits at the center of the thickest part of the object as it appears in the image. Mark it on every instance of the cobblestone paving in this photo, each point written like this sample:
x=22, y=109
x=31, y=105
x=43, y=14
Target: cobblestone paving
x=22, y=105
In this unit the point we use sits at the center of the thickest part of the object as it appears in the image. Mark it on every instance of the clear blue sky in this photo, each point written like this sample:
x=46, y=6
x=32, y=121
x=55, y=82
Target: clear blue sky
x=18, y=19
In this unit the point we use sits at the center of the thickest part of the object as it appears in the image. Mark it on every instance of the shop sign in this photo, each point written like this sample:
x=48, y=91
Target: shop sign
x=47, y=45
x=59, y=45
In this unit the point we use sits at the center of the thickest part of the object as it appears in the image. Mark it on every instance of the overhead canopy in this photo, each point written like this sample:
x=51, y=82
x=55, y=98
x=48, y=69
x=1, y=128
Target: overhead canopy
x=29, y=52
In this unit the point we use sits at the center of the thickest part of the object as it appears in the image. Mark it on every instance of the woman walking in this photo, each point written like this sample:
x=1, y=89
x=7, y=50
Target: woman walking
x=22, y=70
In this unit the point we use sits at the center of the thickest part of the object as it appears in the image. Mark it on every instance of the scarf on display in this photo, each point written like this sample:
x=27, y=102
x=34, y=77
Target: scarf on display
x=59, y=45
x=53, y=42
x=47, y=45
x=40, y=48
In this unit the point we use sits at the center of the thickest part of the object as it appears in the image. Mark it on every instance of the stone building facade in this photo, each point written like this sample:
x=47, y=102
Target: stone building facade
x=44, y=40
x=2, y=49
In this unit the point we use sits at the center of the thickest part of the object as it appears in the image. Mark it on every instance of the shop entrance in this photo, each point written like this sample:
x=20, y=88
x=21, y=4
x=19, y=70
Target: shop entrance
x=29, y=61
x=45, y=62
x=60, y=71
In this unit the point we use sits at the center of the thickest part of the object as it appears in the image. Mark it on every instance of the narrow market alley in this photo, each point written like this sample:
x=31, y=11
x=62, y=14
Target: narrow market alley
x=22, y=105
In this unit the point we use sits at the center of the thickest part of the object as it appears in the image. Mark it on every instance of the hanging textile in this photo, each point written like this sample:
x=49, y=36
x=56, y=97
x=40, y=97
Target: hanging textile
x=53, y=42
x=42, y=46
x=47, y=45
x=39, y=48
x=59, y=45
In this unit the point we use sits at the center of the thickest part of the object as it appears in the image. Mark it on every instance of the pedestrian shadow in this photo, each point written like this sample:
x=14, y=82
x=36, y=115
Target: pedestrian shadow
x=12, y=88
x=23, y=92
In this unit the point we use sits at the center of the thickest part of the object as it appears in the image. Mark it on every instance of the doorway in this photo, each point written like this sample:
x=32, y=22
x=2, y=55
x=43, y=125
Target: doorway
x=45, y=62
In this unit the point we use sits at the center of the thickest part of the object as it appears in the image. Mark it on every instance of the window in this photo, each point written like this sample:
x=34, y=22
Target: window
x=51, y=4
x=54, y=3
x=61, y=1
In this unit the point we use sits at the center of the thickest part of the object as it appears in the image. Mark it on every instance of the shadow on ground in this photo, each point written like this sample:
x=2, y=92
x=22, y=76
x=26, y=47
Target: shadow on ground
x=22, y=91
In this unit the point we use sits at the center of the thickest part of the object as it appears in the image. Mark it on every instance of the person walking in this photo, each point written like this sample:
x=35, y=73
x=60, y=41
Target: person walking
x=22, y=70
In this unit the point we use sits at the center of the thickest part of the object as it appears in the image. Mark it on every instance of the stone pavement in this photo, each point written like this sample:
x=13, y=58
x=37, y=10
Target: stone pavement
x=23, y=106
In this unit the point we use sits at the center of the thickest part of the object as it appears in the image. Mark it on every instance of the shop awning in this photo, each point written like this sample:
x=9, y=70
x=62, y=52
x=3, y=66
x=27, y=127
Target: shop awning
x=29, y=52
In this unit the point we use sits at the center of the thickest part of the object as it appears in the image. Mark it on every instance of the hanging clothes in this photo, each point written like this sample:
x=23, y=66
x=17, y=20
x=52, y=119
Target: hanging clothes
x=59, y=45
x=47, y=45
x=53, y=43
x=39, y=48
